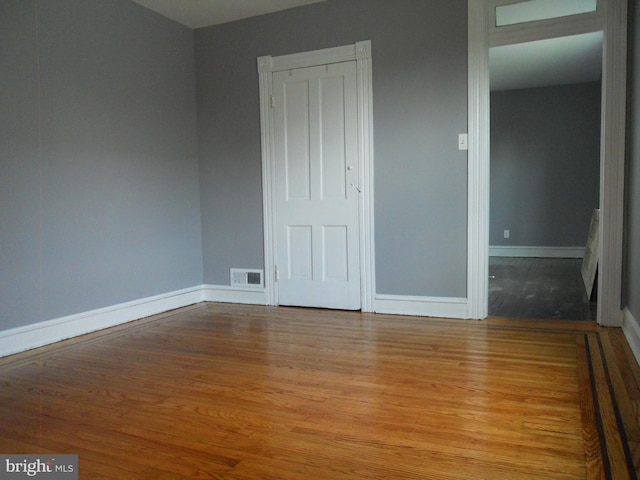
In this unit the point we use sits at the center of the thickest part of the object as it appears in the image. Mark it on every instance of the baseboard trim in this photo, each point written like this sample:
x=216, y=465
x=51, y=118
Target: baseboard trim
x=19, y=339
x=631, y=329
x=542, y=252
x=227, y=294
x=24, y=338
x=422, y=306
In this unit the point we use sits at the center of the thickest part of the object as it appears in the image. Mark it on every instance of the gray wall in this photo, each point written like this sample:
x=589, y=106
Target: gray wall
x=99, y=199
x=99, y=191
x=420, y=105
x=631, y=281
x=545, y=161
x=20, y=212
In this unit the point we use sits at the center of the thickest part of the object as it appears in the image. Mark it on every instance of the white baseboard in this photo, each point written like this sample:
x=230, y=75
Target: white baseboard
x=422, y=306
x=19, y=339
x=24, y=338
x=542, y=252
x=227, y=294
x=631, y=329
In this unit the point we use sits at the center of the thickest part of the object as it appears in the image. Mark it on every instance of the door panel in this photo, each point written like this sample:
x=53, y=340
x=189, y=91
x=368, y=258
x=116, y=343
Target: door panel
x=299, y=252
x=297, y=153
x=316, y=186
x=332, y=141
x=335, y=256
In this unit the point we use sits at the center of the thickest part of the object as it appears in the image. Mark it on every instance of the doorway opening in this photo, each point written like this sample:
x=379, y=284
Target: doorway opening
x=610, y=17
x=545, y=104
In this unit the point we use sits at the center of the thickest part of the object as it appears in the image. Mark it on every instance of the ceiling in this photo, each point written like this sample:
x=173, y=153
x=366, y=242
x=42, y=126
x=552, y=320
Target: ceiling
x=203, y=13
x=558, y=61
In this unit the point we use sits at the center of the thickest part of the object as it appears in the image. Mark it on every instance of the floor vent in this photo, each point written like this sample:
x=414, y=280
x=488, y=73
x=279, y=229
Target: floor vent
x=247, y=277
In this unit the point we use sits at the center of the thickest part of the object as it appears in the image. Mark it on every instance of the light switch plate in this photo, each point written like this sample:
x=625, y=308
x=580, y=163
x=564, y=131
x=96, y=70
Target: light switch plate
x=463, y=142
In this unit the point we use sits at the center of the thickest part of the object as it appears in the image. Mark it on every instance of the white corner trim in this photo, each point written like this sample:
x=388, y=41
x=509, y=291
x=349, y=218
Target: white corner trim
x=542, y=252
x=227, y=294
x=631, y=329
x=612, y=163
x=366, y=161
x=422, y=306
x=38, y=334
x=478, y=161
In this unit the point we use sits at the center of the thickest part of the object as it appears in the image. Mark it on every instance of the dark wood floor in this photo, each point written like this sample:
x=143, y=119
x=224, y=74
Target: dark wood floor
x=255, y=393
x=538, y=288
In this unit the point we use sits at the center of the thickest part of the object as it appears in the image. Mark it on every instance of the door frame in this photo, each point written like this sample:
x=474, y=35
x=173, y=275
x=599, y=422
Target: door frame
x=360, y=52
x=612, y=18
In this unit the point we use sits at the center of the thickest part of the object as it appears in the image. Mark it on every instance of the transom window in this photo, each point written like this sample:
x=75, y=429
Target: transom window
x=535, y=10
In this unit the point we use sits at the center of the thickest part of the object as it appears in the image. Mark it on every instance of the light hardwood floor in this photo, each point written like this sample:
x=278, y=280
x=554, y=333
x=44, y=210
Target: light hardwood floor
x=244, y=392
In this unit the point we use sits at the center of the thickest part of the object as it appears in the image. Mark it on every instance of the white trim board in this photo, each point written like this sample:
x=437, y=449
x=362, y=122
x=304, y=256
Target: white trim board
x=28, y=337
x=24, y=338
x=442, y=307
x=19, y=339
x=227, y=294
x=539, y=252
x=360, y=52
x=478, y=161
x=612, y=163
x=631, y=329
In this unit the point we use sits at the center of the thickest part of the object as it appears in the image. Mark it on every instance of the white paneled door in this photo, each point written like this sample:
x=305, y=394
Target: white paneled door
x=317, y=186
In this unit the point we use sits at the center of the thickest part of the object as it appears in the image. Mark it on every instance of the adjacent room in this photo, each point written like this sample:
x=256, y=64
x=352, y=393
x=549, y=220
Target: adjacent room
x=251, y=240
x=545, y=175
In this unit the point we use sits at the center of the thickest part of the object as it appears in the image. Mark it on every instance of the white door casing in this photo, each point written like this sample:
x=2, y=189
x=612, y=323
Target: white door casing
x=360, y=175
x=611, y=17
x=316, y=186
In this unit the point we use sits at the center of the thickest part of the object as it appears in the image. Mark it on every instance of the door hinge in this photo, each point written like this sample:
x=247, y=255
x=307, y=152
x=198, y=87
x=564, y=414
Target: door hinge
x=276, y=273
x=273, y=101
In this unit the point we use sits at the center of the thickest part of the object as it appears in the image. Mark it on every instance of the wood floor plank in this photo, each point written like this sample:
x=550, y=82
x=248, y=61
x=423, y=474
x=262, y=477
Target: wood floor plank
x=614, y=441
x=590, y=429
x=245, y=392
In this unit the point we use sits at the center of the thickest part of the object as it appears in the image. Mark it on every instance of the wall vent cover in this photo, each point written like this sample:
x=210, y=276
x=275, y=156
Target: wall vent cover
x=247, y=277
